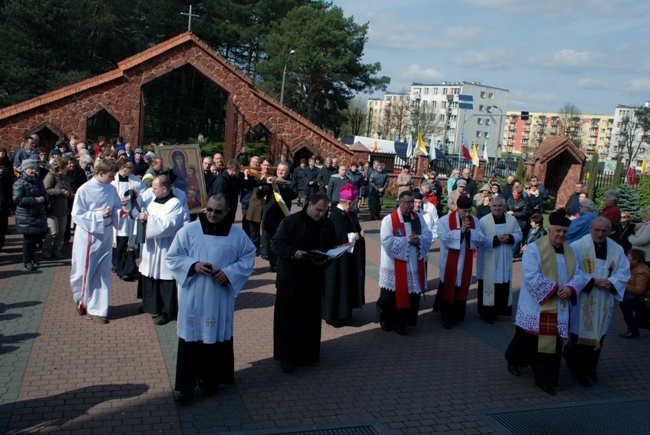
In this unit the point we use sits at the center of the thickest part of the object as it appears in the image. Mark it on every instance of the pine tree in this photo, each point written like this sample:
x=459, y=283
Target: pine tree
x=618, y=173
x=643, y=190
x=629, y=202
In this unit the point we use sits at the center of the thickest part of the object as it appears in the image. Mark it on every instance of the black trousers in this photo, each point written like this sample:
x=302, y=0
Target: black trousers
x=522, y=351
x=636, y=314
x=582, y=359
x=211, y=364
x=388, y=311
x=29, y=246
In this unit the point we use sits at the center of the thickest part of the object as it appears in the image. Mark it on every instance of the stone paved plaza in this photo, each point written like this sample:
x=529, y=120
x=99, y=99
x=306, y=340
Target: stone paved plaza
x=62, y=373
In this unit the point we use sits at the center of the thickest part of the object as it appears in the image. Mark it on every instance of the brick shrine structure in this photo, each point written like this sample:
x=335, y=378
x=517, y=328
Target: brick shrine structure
x=558, y=164
x=65, y=111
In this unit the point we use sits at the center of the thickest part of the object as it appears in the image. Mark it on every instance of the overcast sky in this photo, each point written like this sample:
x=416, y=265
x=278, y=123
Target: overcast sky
x=593, y=53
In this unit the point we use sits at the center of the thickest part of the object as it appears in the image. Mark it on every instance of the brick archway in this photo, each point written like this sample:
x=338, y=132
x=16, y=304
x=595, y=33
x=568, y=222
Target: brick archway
x=119, y=93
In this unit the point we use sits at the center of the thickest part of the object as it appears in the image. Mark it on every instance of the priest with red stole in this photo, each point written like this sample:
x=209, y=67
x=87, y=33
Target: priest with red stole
x=552, y=280
x=460, y=235
x=405, y=242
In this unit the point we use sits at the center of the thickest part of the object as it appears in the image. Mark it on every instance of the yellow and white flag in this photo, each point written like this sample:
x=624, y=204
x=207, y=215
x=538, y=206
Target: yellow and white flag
x=474, y=155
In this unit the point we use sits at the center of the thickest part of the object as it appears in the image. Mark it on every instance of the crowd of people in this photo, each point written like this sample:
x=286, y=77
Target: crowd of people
x=130, y=218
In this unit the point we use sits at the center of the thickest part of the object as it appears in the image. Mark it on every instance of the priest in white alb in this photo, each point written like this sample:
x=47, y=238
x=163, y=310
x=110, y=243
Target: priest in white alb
x=494, y=264
x=163, y=214
x=96, y=211
x=605, y=262
x=211, y=260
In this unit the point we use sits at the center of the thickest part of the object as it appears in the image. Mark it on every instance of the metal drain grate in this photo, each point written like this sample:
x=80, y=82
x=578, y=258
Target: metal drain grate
x=349, y=428
x=618, y=416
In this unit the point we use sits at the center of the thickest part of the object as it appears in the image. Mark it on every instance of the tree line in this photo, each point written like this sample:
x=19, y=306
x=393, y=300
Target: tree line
x=48, y=44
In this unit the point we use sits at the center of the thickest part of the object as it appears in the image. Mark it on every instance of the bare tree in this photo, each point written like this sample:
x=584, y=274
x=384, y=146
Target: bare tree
x=425, y=120
x=396, y=118
x=355, y=116
x=634, y=133
x=570, y=122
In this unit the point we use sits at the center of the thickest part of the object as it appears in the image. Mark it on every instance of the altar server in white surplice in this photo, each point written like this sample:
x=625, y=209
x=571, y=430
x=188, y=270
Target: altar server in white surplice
x=163, y=214
x=605, y=262
x=494, y=264
x=96, y=211
x=211, y=260
x=128, y=187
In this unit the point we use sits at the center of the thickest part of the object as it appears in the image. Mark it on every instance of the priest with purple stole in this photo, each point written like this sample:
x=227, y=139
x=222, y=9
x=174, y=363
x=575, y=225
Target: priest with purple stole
x=405, y=242
x=211, y=260
x=551, y=281
x=460, y=235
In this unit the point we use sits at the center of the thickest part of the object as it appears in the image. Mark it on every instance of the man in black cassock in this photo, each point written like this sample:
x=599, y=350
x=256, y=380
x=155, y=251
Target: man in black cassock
x=300, y=282
x=345, y=277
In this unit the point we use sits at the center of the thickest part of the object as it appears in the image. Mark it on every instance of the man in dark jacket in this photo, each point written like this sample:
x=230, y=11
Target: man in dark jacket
x=377, y=182
x=310, y=178
x=230, y=183
x=276, y=209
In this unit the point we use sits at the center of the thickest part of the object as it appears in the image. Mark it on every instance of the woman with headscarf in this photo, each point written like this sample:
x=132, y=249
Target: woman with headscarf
x=30, y=198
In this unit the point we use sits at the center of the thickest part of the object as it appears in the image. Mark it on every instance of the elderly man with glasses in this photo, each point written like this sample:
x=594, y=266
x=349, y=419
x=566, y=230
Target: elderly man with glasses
x=211, y=260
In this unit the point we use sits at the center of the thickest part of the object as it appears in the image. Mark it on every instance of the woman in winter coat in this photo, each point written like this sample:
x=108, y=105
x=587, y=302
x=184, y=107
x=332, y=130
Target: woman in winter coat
x=30, y=198
x=59, y=190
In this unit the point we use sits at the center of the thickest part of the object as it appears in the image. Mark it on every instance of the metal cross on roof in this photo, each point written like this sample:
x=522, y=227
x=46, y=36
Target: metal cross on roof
x=189, y=18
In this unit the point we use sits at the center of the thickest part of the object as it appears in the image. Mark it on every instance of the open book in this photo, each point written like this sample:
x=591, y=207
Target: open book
x=318, y=256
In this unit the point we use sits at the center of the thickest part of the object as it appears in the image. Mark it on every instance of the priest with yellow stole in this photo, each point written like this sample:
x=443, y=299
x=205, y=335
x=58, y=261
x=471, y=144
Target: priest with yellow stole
x=551, y=281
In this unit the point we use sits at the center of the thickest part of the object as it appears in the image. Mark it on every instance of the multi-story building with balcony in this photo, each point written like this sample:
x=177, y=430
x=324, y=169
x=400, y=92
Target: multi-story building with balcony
x=442, y=103
x=592, y=133
x=389, y=117
x=627, y=134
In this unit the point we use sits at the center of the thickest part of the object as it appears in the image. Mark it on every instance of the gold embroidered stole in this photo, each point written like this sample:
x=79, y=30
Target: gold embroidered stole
x=548, y=311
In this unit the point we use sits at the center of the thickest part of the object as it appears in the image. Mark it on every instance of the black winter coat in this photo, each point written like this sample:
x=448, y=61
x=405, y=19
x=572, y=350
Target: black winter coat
x=30, y=216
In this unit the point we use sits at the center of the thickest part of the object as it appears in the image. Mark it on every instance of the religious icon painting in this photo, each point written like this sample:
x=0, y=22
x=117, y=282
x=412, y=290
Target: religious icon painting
x=184, y=161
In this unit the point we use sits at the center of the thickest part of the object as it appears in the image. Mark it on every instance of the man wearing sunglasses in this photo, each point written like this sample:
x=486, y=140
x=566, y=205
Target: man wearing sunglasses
x=211, y=260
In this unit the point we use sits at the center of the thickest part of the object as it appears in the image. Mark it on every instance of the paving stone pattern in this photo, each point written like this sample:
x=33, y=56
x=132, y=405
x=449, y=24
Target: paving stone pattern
x=62, y=373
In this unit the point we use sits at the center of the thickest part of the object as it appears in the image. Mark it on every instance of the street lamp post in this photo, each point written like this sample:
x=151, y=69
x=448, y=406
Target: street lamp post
x=284, y=73
x=500, y=133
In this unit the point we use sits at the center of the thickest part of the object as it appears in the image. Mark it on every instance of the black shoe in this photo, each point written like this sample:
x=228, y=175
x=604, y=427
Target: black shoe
x=386, y=326
x=35, y=263
x=184, y=397
x=548, y=390
x=629, y=334
x=288, y=368
x=264, y=257
x=127, y=278
x=401, y=330
x=514, y=370
x=273, y=269
x=488, y=320
x=446, y=325
x=163, y=319
x=209, y=391
x=30, y=267
x=582, y=380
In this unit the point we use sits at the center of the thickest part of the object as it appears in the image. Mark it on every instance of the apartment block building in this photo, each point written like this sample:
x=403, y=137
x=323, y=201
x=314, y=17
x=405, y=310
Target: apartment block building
x=435, y=110
x=591, y=132
x=625, y=125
